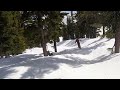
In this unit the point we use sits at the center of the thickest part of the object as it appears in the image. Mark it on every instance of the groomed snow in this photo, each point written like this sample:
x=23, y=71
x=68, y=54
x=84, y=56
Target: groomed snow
x=93, y=61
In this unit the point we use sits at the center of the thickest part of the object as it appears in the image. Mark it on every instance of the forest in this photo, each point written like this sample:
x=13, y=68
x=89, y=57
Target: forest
x=20, y=30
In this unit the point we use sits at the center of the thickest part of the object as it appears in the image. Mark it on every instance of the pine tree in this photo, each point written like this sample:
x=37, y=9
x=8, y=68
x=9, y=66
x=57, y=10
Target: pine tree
x=35, y=29
x=65, y=33
x=70, y=28
x=54, y=26
x=12, y=38
x=30, y=24
x=87, y=22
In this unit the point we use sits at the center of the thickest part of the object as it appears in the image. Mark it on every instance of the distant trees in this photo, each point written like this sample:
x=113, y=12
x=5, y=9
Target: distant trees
x=89, y=20
x=111, y=19
x=81, y=25
x=26, y=29
x=71, y=28
x=86, y=21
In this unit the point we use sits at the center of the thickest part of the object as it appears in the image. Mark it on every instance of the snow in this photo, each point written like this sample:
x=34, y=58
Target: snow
x=18, y=71
x=101, y=30
x=35, y=50
x=93, y=61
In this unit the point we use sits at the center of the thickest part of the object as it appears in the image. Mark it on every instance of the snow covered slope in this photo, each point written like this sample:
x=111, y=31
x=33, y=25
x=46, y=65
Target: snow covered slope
x=93, y=61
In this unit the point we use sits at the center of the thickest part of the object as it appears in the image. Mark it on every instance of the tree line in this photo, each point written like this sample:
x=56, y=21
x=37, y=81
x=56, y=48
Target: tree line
x=88, y=23
x=20, y=30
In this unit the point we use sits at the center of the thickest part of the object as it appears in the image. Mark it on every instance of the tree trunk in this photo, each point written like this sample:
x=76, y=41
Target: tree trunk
x=44, y=44
x=103, y=30
x=40, y=25
x=45, y=50
x=72, y=33
x=116, y=43
x=117, y=31
x=55, y=46
x=117, y=40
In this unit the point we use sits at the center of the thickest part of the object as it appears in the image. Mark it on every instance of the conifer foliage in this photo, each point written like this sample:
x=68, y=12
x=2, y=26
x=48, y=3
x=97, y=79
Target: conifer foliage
x=11, y=33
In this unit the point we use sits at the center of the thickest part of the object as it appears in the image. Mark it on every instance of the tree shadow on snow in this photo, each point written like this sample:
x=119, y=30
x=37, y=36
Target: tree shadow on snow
x=84, y=51
x=71, y=43
x=17, y=59
x=95, y=41
x=94, y=61
x=98, y=41
x=39, y=66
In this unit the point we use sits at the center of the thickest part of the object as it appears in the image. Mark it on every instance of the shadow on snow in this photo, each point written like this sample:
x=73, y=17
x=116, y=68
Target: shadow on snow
x=84, y=51
x=39, y=66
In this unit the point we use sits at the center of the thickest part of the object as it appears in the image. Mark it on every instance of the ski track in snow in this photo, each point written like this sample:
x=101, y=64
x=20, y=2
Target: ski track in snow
x=92, y=61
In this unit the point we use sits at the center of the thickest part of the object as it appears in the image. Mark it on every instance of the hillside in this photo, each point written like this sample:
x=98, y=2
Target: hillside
x=94, y=60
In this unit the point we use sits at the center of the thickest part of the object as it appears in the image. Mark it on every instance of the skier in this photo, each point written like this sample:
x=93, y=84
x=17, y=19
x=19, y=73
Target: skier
x=78, y=42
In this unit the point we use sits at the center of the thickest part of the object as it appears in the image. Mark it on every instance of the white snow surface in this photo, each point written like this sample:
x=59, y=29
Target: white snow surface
x=93, y=61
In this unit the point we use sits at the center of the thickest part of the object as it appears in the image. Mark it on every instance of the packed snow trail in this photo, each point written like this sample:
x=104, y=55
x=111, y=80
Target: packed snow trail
x=93, y=61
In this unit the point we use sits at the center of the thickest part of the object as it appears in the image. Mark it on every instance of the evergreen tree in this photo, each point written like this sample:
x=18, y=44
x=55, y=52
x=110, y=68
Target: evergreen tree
x=86, y=21
x=54, y=26
x=42, y=27
x=65, y=33
x=12, y=40
x=70, y=27
x=35, y=29
x=30, y=24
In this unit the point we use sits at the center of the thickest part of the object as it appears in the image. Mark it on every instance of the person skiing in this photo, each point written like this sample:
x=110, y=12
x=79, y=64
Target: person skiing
x=78, y=42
